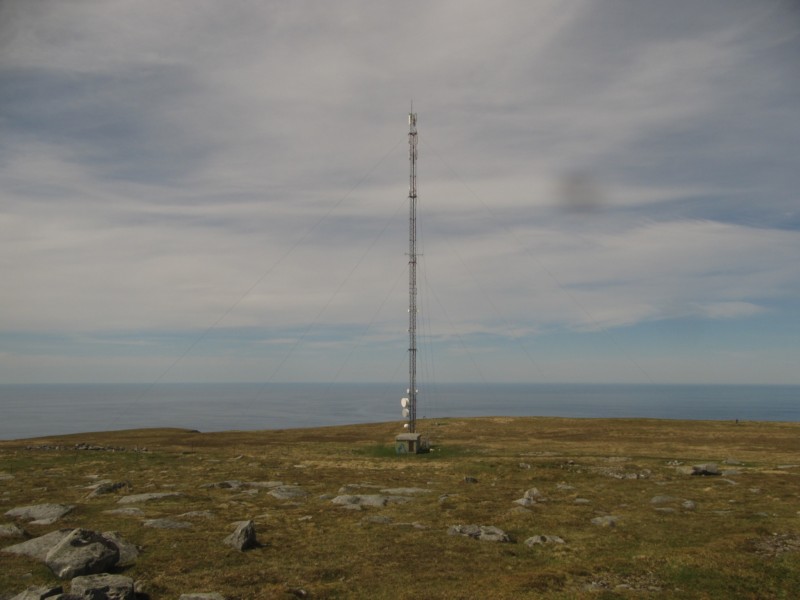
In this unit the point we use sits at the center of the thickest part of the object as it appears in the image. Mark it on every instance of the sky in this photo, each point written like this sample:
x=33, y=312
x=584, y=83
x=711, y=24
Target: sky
x=218, y=191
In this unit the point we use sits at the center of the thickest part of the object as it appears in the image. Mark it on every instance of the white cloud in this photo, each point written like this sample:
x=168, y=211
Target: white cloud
x=169, y=168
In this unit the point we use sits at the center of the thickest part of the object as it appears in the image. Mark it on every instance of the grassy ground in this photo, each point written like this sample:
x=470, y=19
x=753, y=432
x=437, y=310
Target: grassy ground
x=742, y=540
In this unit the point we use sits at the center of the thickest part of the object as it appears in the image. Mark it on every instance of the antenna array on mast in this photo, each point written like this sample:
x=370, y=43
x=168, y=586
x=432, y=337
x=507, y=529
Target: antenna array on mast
x=412, y=274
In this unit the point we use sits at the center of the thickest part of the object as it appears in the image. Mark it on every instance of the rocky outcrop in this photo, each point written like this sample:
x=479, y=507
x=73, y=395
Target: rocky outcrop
x=37, y=548
x=12, y=531
x=706, y=470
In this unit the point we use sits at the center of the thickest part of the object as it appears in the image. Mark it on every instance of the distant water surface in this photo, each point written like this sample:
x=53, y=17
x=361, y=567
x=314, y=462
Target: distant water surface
x=39, y=410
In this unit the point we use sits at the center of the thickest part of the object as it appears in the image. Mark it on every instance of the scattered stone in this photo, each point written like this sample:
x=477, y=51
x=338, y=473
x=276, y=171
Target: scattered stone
x=777, y=543
x=787, y=466
x=38, y=592
x=368, y=500
x=232, y=484
x=663, y=499
x=165, y=523
x=197, y=514
x=543, y=539
x=201, y=596
x=732, y=461
x=469, y=479
x=486, y=533
x=244, y=536
x=524, y=466
x=688, y=505
x=40, y=514
x=706, y=470
x=131, y=511
x=37, y=548
x=606, y=521
x=288, y=492
x=534, y=494
x=564, y=487
x=107, y=488
x=81, y=552
x=135, y=498
x=352, y=488
x=103, y=587
x=581, y=501
x=377, y=520
x=405, y=491
x=263, y=485
x=12, y=531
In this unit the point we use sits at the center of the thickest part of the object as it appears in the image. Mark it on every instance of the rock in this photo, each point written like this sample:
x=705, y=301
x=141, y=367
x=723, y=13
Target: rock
x=81, y=552
x=40, y=514
x=543, y=539
x=662, y=499
x=606, y=521
x=564, y=487
x=705, y=470
x=581, y=501
x=130, y=511
x=732, y=461
x=103, y=587
x=469, y=479
x=688, y=505
x=133, y=499
x=231, y=484
x=369, y=500
x=128, y=552
x=166, y=524
x=406, y=491
x=486, y=533
x=352, y=488
x=197, y=514
x=106, y=488
x=287, y=492
x=244, y=536
x=37, y=548
x=201, y=596
x=665, y=510
x=533, y=494
x=12, y=531
x=524, y=466
x=376, y=519
x=39, y=592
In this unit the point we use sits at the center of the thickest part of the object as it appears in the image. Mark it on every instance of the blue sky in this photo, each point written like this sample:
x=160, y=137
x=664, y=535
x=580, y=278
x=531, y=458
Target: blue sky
x=206, y=191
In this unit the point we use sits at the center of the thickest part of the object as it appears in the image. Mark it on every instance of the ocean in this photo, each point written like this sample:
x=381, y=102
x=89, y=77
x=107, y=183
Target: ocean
x=41, y=410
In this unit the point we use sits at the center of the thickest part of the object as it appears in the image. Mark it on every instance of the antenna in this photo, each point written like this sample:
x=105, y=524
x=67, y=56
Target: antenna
x=412, y=274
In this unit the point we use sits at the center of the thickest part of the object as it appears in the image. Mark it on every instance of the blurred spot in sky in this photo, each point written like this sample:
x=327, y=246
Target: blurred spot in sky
x=579, y=192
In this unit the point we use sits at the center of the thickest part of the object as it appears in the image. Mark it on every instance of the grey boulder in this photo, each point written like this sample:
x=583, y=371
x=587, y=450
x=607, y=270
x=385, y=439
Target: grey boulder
x=102, y=587
x=81, y=552
x=244, y=537
x=39, y=592
x=486, y=533
x=40, y=514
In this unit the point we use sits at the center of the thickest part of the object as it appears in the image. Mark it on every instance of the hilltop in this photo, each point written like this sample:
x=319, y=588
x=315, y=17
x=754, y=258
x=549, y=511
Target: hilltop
x=623, y=508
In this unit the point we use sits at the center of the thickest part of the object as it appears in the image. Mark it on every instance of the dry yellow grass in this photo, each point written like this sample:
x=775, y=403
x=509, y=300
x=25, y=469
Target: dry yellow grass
x=740, y=541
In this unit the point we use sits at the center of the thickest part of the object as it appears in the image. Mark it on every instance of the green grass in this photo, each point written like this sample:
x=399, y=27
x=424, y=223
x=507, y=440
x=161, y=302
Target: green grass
x=723, y=549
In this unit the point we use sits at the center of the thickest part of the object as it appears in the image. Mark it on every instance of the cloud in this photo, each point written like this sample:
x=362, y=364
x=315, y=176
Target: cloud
x=242, y=167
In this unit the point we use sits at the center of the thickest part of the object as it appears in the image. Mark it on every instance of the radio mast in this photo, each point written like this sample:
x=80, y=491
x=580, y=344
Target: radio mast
x=412, y=272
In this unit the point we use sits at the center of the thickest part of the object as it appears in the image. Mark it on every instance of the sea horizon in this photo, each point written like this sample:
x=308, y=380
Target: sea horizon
x=39, y=410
